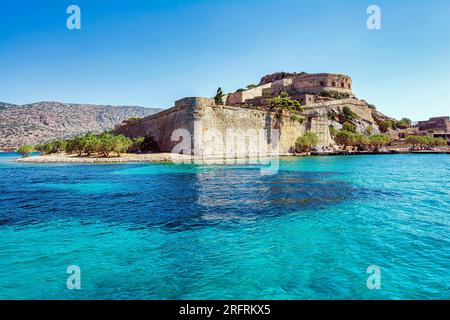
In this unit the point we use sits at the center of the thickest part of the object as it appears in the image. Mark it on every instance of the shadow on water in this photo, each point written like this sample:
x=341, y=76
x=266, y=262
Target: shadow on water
x=175, y=201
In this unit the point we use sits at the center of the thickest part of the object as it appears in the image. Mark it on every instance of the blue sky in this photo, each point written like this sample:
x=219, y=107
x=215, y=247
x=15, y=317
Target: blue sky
x=153, y=52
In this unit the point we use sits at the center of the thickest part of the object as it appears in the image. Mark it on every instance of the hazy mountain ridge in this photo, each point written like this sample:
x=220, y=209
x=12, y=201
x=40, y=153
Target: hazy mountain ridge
x=43, y=121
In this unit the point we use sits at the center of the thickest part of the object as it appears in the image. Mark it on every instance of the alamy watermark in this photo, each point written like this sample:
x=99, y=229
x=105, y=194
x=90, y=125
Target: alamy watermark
x=374, y=19
x=74, y=279
x=73, y=22
x=230, y=146
x=374, y=280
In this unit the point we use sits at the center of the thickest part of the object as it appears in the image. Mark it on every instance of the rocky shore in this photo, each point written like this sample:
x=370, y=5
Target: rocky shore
x=125, y=158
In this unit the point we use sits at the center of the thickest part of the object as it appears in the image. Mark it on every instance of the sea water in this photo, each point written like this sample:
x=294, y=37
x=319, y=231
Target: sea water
x=165, y=231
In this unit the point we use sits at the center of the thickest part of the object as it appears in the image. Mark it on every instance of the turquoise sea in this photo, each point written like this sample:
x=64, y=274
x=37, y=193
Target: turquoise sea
x=164, y=231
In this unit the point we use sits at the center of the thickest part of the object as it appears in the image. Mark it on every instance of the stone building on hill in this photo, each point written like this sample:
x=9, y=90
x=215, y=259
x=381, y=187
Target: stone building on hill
x=306, y=88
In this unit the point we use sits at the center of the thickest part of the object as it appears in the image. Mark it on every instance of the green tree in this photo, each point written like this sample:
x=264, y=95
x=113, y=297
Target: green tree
x=219, y=96
x=414, y=141
x=91, y=143
x=404, y=123
x=282, y=102
x=385, y=125
x=121, y=144
x=345, y=138
x=440, y=142
x=307, y=141
x=362, y=141
x=78, y=145
x=348, y=126
x=25, y=150
x=106, y=144
x=59, y=146
x=379, y=140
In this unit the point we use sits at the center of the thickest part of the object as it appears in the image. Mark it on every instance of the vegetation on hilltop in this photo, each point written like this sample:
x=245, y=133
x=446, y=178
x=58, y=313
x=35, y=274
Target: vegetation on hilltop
x=348, y=115
x=403, y=123
x=335, y=95
x=218, y=98
x=283, y=102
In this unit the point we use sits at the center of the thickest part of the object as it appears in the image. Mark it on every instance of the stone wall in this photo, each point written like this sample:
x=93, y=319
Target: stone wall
x=316, y=83
x=441, y=124
x=298, y=84
x=240, y=97
x=199, y=115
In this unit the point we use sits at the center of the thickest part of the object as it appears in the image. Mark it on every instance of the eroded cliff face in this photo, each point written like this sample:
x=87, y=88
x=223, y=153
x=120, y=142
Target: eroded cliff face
x=215, y=129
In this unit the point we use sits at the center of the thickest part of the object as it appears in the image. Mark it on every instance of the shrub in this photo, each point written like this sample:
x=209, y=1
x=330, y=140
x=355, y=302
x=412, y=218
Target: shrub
x=379, y=140
x=414, y=141
x=132, y=120
x=335, y=94
x=348, y=114
x=385, y=125
x=404, y=123
x=307, y=141
x=362, y=141
x=282, y=102
x=347, y=126
x=422, y=142
x=345, y=138
x=298, y=118
x=25, y=151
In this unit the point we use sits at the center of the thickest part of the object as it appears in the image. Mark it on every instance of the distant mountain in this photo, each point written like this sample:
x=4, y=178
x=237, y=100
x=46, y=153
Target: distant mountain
x=6, y=105
x=44, y=121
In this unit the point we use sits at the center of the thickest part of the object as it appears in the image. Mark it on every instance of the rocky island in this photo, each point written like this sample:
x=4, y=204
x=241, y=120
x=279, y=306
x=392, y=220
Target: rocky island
x=285, y=114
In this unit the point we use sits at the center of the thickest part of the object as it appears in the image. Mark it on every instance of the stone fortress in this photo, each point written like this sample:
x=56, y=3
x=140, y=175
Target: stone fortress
x=247, y=110
x=306, y=88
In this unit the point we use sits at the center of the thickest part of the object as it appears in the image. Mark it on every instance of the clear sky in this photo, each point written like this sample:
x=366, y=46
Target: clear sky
x=152, y=52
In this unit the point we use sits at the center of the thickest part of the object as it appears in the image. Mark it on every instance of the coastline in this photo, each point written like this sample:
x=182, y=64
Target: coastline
x=124, y=158
x=170, y=157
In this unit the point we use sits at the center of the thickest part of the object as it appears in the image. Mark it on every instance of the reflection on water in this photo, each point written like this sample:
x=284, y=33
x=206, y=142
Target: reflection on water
x=179, y=198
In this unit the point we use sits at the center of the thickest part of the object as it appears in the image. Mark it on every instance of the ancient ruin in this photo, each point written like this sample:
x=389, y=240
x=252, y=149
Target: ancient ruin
x=436, y=124
x=323, y=97
x=306, y=88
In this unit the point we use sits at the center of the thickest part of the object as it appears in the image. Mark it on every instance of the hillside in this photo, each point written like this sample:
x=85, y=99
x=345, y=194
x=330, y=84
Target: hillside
x=43, y=121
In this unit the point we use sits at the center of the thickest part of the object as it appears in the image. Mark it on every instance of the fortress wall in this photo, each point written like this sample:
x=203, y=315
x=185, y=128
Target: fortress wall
x=240, y=121
x=160, y=126
x=215, y=122
x=316, y=83
x=239, y=97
